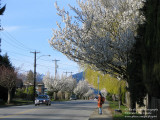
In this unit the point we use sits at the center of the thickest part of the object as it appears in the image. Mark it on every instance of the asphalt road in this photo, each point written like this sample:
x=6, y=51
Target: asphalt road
x=68, y=110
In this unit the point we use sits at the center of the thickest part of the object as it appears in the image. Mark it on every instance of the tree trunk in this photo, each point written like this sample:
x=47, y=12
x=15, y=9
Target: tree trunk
x=127, y=97
x=9, y=97
x=63, y=95
x=55, y=95
x=66, y=96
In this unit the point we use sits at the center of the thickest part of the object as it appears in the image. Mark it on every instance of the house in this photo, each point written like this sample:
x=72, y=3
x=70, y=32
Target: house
x=40, y=88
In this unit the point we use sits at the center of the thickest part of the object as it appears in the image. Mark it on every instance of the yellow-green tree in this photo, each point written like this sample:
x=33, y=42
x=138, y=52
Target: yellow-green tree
x=111, y=84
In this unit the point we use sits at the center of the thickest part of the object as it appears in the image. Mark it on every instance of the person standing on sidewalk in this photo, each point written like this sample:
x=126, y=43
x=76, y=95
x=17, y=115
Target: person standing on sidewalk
x=100, y=103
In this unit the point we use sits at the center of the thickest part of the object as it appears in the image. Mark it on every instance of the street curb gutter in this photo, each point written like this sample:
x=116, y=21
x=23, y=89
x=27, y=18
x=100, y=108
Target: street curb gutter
x=106, y=114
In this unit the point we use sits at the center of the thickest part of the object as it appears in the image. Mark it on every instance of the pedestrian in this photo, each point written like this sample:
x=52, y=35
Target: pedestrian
x=100, y=103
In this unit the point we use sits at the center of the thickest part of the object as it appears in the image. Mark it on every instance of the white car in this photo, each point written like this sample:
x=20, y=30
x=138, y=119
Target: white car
x=73, y=97
x=42, y=99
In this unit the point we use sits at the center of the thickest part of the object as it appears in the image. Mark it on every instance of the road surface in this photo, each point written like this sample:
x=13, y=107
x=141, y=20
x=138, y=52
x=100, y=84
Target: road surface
x=68, y=110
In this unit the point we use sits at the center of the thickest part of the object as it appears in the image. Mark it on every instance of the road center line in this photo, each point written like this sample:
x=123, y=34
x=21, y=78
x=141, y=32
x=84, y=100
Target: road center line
x=18, y=113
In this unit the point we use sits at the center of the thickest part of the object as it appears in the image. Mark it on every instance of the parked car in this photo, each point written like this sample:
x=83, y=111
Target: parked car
x=96, y=98
x=73, y=97
x=42, y=99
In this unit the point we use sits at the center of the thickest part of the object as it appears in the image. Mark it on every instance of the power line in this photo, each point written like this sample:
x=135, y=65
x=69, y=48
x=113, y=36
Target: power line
x=68, y=65
x=16, y=53
x=21, y=44
x=60, y=63
x=26, y=62
x=68, y=72
x=12, y=43
x=40, y=65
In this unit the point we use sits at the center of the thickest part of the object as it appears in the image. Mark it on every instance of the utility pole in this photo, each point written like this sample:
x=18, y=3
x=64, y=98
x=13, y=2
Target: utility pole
x=98, y=84
x=34, y=73
x=56, y=66
x=68, y=72
x=71, y=73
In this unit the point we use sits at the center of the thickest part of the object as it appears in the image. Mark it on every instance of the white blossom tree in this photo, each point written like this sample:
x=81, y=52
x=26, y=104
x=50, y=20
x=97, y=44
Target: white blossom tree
x=104, y=92
x=82, y=88
x=63, y=84
x=52, y=84
x=47, y=80
x=71, y=84
x=89, y=93
x=68, y=85
x=57, y=86
x=101, y=34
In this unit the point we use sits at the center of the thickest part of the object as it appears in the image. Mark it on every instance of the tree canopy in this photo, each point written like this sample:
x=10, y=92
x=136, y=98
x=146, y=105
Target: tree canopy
x=148, y=35
x=101, y=34
x=30, y=77
x=111, y=84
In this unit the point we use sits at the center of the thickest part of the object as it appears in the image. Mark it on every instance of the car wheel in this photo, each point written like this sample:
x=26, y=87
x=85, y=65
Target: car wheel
x=35, y=104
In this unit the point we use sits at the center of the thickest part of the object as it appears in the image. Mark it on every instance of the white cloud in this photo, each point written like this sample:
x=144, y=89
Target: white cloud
x=11, y=28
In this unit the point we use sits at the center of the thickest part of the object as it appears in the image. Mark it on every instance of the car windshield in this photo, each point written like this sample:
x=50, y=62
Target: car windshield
x=42, y=96
x=73, y=97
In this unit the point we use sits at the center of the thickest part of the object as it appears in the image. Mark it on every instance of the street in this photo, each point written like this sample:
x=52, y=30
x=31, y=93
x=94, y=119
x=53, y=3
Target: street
x=67, y=110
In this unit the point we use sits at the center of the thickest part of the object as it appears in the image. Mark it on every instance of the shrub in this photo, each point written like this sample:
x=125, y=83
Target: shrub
x=109, y=97
x=20, y=93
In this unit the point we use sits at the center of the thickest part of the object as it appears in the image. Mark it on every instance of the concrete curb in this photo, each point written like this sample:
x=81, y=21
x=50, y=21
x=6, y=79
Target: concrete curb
x=106, y=114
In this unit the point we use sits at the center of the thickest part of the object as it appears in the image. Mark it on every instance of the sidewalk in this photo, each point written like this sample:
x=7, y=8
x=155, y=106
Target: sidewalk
x=106, y=114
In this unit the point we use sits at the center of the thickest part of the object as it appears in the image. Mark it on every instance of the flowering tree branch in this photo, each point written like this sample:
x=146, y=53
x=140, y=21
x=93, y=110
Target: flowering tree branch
x=101, y=34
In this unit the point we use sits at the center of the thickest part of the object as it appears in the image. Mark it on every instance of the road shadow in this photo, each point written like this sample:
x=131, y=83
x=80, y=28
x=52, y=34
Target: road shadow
x=34, y=119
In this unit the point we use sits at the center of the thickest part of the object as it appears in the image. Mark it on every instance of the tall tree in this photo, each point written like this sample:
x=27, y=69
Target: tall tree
x=2, y=10
x=30, y=77
x=101, y=34
x=149, y=34
x=136, y=86
x=108, y=82
x=4, y=61
x=82, y=88
x=8, y=79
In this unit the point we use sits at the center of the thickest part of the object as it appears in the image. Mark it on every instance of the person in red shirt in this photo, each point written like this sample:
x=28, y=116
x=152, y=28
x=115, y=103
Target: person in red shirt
x=100, y=103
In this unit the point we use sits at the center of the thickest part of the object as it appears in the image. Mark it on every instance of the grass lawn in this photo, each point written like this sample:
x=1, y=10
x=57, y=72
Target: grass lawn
x=16, y=102
x=125, y=115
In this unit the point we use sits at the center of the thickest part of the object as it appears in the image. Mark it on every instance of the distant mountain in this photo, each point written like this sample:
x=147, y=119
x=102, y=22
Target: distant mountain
x=40, y=77
x=95, y=91
x=79, y=76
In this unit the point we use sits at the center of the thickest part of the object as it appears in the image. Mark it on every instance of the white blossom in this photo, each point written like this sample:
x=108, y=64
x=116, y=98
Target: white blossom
x=68, y=84
x=101, y=34
x=104, y=92
x=57, y=84
x=82, y=88
x=47, y=81
x=62, y=83
x=89, y=93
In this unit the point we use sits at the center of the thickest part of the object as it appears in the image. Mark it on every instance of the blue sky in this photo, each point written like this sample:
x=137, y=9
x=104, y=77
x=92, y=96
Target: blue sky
x=27, y=27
